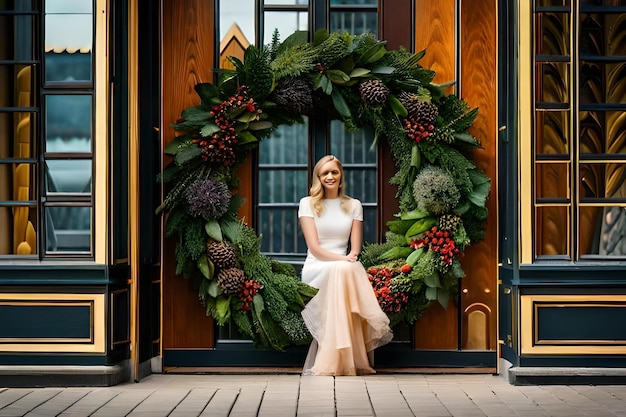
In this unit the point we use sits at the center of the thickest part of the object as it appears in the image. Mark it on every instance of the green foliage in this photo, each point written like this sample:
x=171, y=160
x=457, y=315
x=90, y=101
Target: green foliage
x=176, y=221
x=254, y=263
x=288, y=286
x=244, y=323
x=256, y=72
x=295, y=61
x=325, y=78
x=452, y=161
x=294, y=327
x=333, y=48
x=283, y=268
x=195, y=239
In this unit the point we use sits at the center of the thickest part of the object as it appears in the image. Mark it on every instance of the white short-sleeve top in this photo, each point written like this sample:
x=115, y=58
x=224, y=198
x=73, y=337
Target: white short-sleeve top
x=334, y=225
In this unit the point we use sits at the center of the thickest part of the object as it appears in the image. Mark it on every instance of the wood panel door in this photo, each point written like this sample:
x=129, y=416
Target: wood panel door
x=466, y=53
x=187, y=59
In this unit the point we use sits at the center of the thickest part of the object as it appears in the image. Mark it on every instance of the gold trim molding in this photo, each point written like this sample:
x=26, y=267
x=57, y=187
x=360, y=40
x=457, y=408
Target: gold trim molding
x=529, y=316
x=93, y=344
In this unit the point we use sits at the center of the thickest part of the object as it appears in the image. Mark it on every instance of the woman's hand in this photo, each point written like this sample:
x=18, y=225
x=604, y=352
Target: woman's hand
x=352, y=257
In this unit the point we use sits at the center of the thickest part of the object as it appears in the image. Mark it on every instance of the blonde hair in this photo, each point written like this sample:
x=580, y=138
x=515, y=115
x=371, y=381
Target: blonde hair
x=317, y=189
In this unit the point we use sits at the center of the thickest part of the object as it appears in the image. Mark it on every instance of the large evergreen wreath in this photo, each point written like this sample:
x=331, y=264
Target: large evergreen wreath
x=440, y=192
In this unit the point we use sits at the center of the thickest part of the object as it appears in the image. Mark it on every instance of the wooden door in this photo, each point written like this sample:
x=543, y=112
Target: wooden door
x=471, y=48
x=187, y=59
x=470, y=325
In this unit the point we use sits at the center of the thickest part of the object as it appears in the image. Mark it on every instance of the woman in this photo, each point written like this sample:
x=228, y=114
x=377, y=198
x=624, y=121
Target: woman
x=344, y=317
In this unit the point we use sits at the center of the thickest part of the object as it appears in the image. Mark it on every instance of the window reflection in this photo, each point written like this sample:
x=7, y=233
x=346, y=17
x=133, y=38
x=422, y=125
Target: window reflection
x=239, y=13
x=68, y=123
x=68, y=229
x=285, y=22
x=68, y=40
x=73, y=176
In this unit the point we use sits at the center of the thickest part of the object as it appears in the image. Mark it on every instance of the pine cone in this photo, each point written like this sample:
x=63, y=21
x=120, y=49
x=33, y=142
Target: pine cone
x=221, y=254
x=230, y=280
x=373, y=92
x=419, y=111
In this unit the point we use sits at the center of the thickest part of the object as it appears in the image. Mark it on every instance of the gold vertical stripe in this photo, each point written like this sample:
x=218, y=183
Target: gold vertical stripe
x=525, y=132
x=133, y=180
x=101, y=140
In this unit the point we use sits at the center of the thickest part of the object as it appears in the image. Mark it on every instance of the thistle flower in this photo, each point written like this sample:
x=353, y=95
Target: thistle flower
x=208, y=199
x=434, y=190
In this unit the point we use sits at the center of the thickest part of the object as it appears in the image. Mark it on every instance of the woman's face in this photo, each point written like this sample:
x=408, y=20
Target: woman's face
x=330, y=176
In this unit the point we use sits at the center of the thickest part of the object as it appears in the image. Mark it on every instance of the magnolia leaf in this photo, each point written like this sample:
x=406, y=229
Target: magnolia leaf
x=186, y=154
x=172, y=147
x=259, y=304
x=375, y=53
x=345, y=64
x=247, y=117
x=340, y=104
x=399, y=226
x=213, y=229
x=462, y=208
x=432, y=281
x=414, y=256
x=360, y=72
x=384, y=70
x=205, y=266
x=482, y=185
x=337, y=76
x=320, y=36
x=397, y=252
x=326, y=85
x=196, y=114
x=397, y=106
x=297, y=38
x=408, y=85
x=214, y=290
x=246, y=137
x=416, y=156
x=466, y=138
x=234, y=112
x=208, y=129
x=414, y=214
x=222, y=309
x=443, y=297
x=260, y=125
x=420, y=226
x=207, y=92
x=431, y=293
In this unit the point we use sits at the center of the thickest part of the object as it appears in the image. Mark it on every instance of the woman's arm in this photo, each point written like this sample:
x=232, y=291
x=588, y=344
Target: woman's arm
x=310, y=236
x=356, y=240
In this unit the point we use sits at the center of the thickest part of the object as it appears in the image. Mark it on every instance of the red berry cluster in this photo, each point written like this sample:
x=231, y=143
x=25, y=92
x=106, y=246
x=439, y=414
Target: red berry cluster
x=417, y=130
x=441, y=242
x=390, y=302
x=219, y=149
x=247, y=292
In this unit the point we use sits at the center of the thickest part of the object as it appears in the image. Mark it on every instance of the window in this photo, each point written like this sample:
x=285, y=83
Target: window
x=579, y=145
x=286, y=159
x=46, y=126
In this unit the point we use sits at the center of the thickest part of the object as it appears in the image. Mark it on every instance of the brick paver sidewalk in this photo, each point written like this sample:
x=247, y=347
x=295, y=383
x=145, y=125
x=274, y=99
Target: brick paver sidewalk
x=394, y=395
